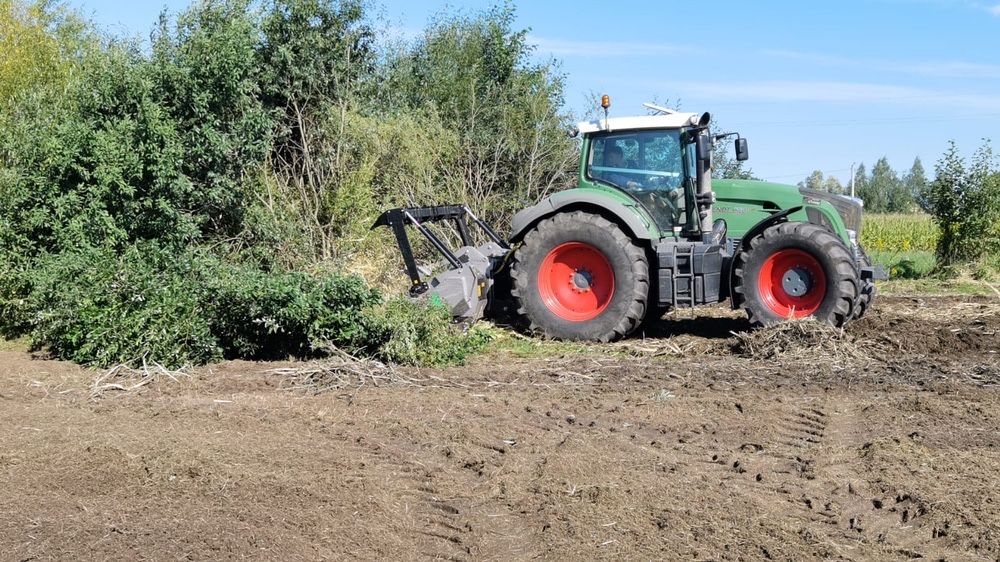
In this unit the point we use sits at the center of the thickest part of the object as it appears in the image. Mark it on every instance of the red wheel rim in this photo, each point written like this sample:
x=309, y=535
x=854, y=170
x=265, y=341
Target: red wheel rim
x=576, y=281
x=796, y=270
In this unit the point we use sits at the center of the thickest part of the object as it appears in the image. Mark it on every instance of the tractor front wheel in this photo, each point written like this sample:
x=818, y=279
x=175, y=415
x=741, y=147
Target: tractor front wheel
x=867, y=295
x=578, y=276
x=794, y=270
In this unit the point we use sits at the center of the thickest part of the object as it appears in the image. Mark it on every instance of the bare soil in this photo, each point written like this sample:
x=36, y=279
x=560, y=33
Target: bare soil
x=796, y=443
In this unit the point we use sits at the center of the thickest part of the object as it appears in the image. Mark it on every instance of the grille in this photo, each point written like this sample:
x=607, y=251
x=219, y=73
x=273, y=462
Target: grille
x=848, y=209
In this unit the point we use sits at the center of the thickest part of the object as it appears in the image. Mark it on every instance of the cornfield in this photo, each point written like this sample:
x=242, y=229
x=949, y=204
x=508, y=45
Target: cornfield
x=899, y=233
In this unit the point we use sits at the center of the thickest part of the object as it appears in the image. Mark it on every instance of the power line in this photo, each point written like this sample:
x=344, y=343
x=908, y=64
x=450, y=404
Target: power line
x=806, y=174
x=865, y=121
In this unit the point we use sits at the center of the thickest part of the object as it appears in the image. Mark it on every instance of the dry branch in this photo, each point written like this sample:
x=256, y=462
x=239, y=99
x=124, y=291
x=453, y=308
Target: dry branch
x=125, y=378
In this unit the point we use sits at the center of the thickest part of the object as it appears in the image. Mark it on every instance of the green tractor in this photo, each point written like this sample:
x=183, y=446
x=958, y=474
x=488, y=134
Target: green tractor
x=647, y=230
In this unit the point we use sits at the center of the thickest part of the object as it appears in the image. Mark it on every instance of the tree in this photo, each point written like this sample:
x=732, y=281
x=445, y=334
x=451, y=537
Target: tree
x=832, y=185
x=966, y=205
x=817, y=182
x=40, y=43
x=884, y=178
x=918, y=186
x=814, y=181
x=728, y=167
x=860, y=180
x=478, y=77
x=884, y=192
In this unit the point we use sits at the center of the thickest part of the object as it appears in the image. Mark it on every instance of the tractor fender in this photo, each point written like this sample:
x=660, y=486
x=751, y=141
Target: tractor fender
x=633, y=218
x=768, y=222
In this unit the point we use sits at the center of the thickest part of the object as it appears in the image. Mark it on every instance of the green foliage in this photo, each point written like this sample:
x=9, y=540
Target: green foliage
x=817, y=182
x=476, y=75
x=101, y=307
x=313, y=51
x=261, y=315
x=39, y=42
x=966, y=200
x=164, y=203
x=901, y=243
x=94, y=306
x=861, y=182
x=422, y=334
x=138, y=149
x=914, y=264
x=883, y=191
x=918, y=186
x=204, y=76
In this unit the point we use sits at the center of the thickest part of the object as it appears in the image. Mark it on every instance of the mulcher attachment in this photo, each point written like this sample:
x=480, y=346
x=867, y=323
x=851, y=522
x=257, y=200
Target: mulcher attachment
x=466, y=286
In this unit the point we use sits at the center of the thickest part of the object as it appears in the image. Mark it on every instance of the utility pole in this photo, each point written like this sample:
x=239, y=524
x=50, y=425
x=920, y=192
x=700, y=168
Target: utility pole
x=852, y=180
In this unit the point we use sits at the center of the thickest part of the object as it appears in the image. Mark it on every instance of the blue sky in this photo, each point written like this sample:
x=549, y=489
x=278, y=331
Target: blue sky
x=812, y=85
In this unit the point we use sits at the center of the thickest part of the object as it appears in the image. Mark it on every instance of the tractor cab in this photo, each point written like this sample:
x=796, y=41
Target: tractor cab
x=653, y=166
x=660, y=161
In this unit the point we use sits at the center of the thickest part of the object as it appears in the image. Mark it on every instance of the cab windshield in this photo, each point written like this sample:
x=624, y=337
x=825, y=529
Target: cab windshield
x=648, y=165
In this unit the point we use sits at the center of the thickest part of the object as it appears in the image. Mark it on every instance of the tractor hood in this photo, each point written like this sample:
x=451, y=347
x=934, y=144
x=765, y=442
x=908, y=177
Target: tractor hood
x=743, y=202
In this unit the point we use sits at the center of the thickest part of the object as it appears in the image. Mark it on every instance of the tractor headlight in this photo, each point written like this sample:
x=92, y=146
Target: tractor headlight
x=853, y=236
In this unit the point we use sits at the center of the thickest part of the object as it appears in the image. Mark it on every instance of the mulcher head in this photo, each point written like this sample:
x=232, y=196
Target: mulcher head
x=466, y=286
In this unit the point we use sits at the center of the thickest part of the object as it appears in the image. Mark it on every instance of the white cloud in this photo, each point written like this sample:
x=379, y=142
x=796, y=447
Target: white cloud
x=953, y=69
x=995, y=10
x=836, y=92
x=605, y=48
x=942, y=69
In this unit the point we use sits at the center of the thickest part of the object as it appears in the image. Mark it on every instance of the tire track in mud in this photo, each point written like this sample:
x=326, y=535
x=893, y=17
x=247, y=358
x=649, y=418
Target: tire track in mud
x=438, y=524
x=434, y=524
x=813, y=461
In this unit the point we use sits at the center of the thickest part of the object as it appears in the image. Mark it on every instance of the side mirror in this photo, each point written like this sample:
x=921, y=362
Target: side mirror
x=705, y=148
x=742, y=150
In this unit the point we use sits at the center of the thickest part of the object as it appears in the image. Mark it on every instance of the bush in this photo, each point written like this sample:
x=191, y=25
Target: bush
x=101, y=307
x=260, y=315
x=422, y=334
x=97, y=307
x=157, y=202
x=39, y=42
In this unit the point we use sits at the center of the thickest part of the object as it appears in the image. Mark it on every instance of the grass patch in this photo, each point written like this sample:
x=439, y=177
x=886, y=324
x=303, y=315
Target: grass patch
x=937, y=286
x=913, y=264
x=508, y=343
x=19, y=344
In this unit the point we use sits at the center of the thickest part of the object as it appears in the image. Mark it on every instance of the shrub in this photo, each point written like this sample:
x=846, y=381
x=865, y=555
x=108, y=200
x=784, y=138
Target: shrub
x=422, y=334
x=98, y=307
x=153, y=201
x=101, y=307
x=268, y=315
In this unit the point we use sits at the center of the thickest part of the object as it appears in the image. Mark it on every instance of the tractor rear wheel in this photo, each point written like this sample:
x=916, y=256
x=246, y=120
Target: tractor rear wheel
x=795, y=270
x=578, y=276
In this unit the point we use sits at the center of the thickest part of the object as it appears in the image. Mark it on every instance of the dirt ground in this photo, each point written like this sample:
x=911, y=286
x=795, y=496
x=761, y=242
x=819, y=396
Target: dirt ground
x=880, y=443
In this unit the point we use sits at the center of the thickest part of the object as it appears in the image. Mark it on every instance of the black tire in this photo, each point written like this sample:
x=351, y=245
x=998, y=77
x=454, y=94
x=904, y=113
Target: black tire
x=826, y=250
x=867, y=294
x=626, y=306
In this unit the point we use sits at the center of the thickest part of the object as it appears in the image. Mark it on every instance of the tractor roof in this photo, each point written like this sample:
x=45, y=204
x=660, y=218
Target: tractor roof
x=669, y=121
